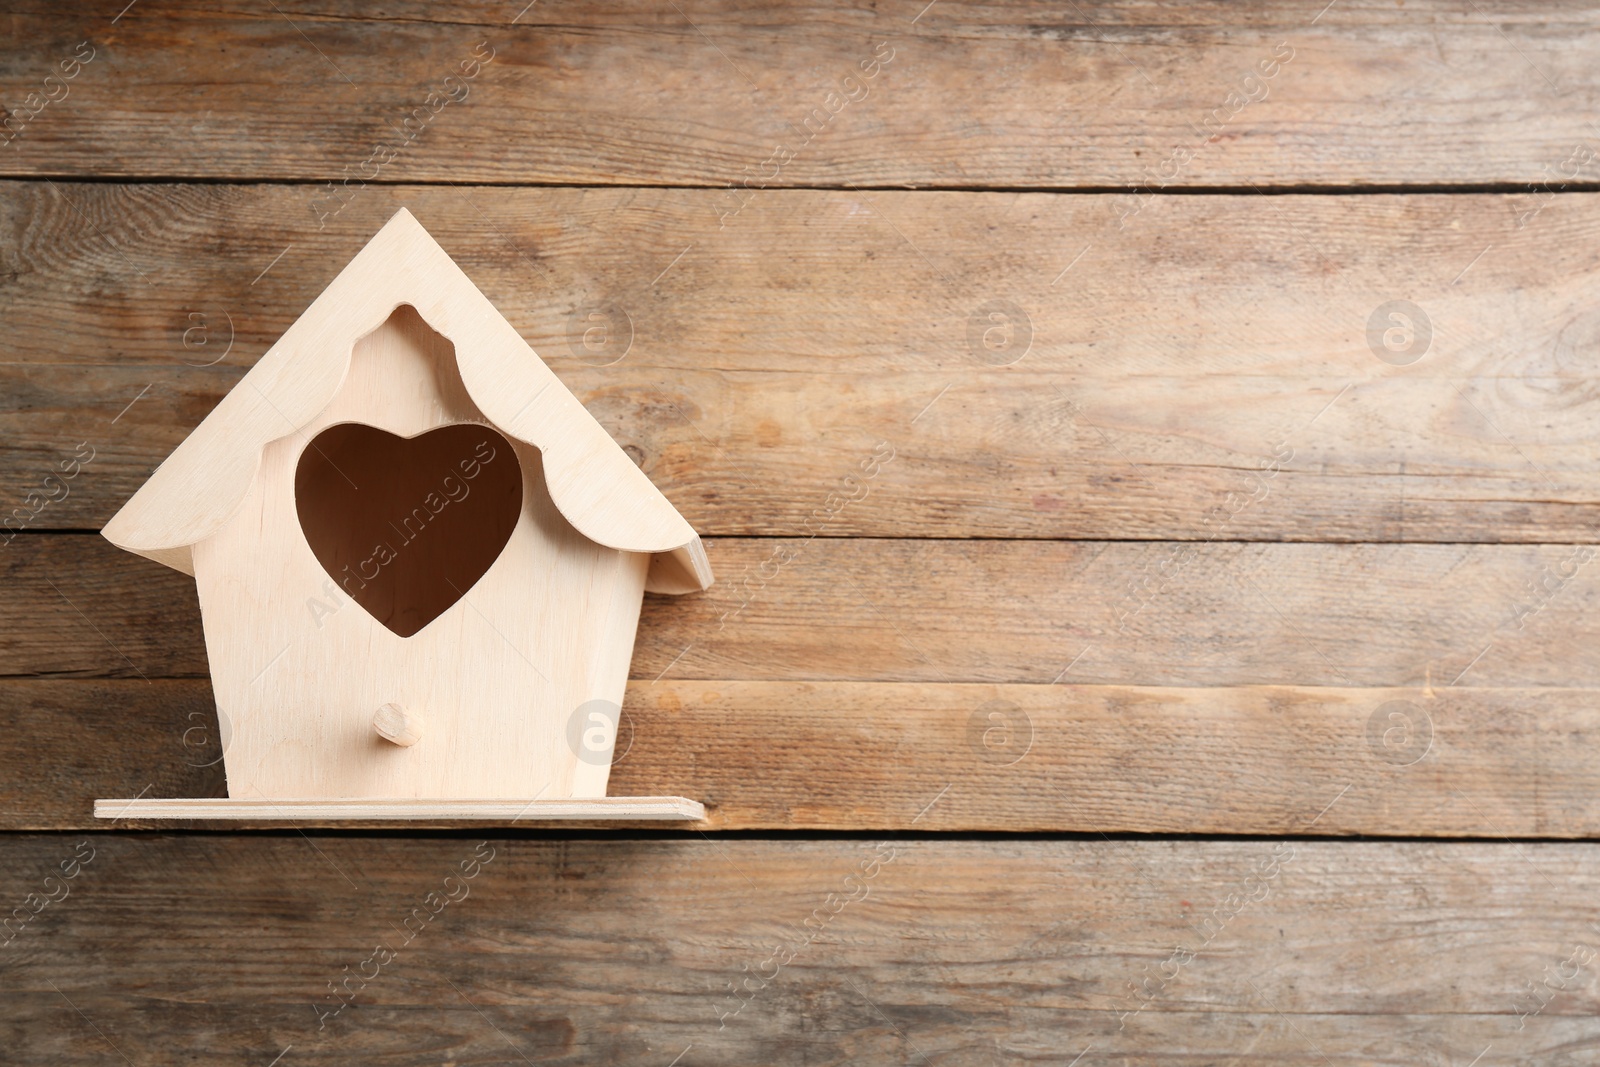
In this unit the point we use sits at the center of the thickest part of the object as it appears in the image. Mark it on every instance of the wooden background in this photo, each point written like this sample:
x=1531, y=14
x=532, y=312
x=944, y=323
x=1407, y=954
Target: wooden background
x=1200, y=682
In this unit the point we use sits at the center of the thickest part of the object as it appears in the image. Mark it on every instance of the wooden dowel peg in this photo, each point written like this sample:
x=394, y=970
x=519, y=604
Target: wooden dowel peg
x=396, y=724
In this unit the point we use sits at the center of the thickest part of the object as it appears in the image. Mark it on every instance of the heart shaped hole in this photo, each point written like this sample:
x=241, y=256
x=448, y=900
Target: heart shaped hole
x=406, y=525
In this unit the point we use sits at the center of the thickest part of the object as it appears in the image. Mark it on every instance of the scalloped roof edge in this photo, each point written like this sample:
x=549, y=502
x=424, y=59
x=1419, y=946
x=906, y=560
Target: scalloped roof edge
x=591, y=480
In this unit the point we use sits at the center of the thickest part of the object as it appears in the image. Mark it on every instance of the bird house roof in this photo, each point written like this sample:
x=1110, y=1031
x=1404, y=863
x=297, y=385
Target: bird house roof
x=596, y=486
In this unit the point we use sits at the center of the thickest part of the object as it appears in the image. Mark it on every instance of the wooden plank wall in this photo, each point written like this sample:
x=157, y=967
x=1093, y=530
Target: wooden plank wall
x=1181, y=564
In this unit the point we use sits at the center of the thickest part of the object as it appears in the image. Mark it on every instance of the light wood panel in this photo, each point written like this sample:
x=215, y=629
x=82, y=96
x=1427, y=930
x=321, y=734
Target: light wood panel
x=624, y=950
x=862, y=609
x=505, y=813
x=1206, y=376
x=497, y=376
x=924, y=757
x=951, y=94
x=505, y=674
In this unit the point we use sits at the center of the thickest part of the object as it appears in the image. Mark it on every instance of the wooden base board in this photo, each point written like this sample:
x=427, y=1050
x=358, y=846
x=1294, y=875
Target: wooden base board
x=506, y=811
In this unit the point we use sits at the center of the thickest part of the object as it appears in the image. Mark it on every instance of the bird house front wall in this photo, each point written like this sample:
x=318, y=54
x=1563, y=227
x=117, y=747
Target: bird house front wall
x=501, y=686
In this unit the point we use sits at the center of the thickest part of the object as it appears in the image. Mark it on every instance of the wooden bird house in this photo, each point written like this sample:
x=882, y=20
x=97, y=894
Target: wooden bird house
x=419, y=560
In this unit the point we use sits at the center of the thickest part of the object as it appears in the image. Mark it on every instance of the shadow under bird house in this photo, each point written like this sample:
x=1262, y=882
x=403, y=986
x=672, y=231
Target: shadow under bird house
x=420, y=563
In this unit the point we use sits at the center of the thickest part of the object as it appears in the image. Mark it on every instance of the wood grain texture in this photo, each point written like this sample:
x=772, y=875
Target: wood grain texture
x=937, y=757
x=997, y=632
x=959, y=94
x=166, y=738
x=863, y=609
x=950, y=952
x=1206, y=373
